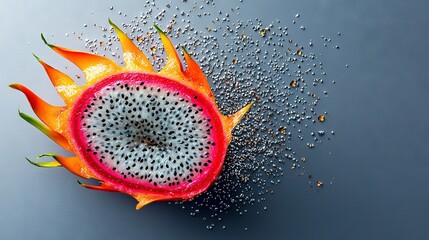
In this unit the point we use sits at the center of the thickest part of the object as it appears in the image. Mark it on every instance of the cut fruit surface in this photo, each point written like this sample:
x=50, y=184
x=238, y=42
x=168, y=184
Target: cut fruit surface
x=153, y=136
x=148, y=132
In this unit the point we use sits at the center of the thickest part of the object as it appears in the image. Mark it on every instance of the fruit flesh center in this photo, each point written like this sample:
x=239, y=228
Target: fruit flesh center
x=148, y=132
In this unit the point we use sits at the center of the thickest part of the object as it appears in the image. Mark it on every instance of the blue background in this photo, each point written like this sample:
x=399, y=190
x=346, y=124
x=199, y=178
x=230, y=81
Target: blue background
x=379, y=153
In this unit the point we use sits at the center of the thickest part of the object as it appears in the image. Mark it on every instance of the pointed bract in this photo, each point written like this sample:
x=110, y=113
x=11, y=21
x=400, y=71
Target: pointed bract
x=73, y=164
x=94, y=67
x=56, y=137
x=47, y=113
x=102, y=187
x=197, y=77
x=134, y=59
x=173, y=67
x=231, y=121
x=144, y=200
x=51, y=164
x=65, y=86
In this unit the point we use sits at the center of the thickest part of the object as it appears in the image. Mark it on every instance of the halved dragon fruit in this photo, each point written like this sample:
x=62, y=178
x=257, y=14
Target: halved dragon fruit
x=152, y=135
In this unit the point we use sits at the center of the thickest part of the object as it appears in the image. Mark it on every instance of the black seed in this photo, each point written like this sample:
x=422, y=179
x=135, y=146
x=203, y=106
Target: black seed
x=141, y=120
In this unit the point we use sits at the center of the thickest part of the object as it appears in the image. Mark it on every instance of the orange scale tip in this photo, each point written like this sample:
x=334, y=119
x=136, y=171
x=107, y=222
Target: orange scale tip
x=144, y=199
x=231, y=121
x=197, y=76
x=47, y=113
x=134, y=59
x=65, y=86
x=173, y=67
x=94, y=67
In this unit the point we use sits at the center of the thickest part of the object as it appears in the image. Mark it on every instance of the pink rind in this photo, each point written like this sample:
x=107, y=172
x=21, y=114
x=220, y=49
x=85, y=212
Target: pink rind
x=188, y=190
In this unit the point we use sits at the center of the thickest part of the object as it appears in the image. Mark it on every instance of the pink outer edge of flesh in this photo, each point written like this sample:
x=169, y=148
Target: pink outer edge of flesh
x=199, y=184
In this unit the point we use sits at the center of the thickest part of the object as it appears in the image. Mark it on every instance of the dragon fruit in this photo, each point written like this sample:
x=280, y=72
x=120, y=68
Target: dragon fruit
x=152, y=135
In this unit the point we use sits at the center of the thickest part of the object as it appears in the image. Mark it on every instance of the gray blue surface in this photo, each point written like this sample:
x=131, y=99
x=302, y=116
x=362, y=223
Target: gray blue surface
x=379, y=111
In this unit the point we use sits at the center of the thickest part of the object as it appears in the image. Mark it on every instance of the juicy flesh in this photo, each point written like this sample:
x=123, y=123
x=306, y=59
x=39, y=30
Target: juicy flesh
x=147, y=132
